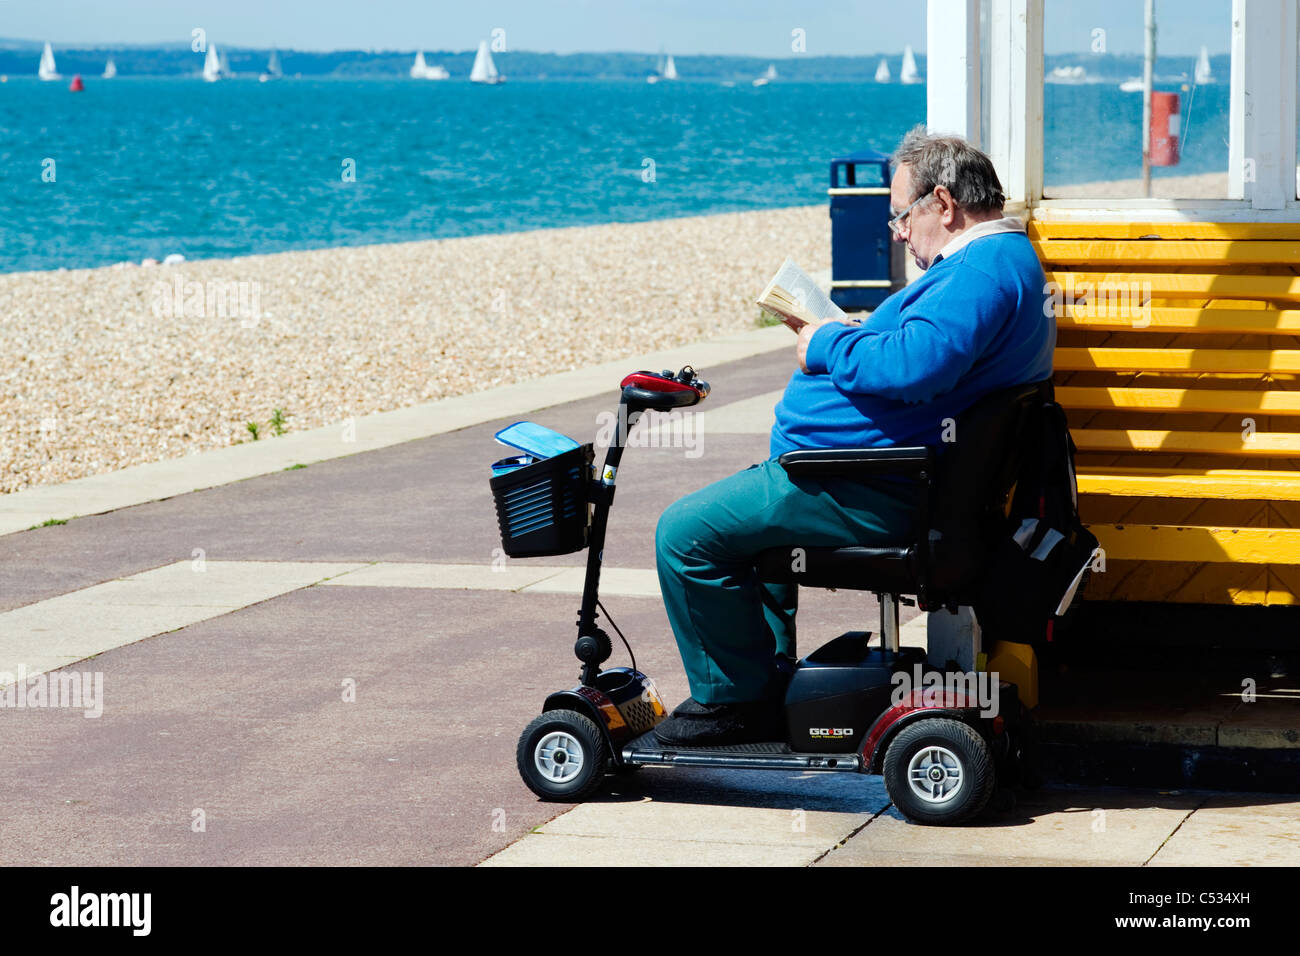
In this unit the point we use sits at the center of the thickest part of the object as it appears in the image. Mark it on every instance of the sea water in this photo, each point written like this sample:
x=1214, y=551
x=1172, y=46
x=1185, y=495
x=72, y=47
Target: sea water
x=143, y=167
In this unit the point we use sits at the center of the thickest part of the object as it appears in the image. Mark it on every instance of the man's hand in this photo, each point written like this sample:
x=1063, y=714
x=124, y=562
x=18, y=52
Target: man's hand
x=805, y=336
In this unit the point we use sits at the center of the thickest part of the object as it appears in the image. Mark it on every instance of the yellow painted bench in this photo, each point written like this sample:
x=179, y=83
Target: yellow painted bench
x=1178, y=363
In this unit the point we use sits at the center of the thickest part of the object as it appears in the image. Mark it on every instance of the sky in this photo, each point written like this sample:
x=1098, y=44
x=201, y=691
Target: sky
x=744, y=27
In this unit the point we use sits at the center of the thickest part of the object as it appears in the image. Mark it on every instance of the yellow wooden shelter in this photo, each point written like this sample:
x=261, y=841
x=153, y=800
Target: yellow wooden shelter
x=1178, y=357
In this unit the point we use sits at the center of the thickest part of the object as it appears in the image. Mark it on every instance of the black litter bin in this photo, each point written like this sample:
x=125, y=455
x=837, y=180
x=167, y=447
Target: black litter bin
x=860, y=237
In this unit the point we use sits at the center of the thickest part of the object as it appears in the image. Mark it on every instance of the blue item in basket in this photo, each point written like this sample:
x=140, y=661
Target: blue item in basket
x=507, y=465
x=536, y=441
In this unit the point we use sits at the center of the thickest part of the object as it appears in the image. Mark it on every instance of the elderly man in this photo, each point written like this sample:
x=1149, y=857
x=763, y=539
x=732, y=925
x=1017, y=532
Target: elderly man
x=973, y=323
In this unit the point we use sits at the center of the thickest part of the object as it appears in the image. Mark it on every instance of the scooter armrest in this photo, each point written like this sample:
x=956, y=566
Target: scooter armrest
x=856, y=462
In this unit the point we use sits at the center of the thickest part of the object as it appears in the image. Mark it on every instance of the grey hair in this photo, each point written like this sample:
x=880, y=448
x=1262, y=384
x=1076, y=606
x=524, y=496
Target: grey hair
x=953, y=163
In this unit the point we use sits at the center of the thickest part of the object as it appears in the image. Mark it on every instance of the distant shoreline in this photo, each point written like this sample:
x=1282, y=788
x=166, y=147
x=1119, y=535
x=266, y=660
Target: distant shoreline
x=180, y=60
x=19, y=58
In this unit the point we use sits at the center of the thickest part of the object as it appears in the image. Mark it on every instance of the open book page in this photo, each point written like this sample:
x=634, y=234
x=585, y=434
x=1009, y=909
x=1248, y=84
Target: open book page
x=794, y=298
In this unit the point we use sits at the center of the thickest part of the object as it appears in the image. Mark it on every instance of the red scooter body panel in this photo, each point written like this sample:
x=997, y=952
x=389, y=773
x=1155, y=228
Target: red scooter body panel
x=935, y=700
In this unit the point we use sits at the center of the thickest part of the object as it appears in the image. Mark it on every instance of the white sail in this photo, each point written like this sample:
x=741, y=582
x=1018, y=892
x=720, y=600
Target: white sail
x=272, y=71
x=47, y=70
x=658, y=74
x=110, y=69
x=212, y=65
x=670, y=68
x=882, y=72
x=1203, y=72
x=225, y=66
x=909, y=73
x=770, y=73
x=421, y=70
x=1067, y=74
x=484, y=70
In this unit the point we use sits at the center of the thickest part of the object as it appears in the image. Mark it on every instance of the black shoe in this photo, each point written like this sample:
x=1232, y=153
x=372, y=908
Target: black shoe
x=694, y=724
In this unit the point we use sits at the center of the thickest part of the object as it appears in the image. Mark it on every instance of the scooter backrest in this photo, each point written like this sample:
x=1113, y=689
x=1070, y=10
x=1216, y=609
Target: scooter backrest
x=974, y=478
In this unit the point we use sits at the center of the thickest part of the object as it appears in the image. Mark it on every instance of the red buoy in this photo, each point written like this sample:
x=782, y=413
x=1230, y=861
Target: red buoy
x=77, y=86
x=1165, y=129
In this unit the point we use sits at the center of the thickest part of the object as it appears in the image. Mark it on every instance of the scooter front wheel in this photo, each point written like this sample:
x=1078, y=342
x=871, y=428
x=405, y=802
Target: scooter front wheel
x=562, y=756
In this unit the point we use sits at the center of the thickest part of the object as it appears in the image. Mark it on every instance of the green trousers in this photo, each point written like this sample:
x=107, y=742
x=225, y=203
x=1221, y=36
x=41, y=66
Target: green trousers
x=729, y=625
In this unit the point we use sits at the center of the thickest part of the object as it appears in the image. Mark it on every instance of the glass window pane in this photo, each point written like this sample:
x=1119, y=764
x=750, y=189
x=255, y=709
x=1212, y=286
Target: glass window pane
x=1094, y=61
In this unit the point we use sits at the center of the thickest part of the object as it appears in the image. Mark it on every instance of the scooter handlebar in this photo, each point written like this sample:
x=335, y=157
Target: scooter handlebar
x=664, y=390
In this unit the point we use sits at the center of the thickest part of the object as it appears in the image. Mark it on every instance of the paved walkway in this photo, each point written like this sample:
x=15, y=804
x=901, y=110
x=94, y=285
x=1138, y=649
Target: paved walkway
x=332, y=664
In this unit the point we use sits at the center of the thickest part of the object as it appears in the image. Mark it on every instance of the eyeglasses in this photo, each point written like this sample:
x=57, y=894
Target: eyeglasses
x=896, y=224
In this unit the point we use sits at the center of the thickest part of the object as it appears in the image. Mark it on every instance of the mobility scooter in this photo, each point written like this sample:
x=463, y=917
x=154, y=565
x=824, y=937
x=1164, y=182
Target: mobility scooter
x=851, y=706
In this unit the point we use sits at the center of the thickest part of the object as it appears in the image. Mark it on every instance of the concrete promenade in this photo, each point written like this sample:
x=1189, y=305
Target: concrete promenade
x=331, y=664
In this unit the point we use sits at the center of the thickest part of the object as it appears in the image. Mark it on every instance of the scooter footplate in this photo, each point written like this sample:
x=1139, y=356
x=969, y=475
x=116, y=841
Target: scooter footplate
x=647, y=749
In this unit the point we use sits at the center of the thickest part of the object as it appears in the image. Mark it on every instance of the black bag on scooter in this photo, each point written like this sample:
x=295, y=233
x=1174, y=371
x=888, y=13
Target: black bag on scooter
x=1043, y=553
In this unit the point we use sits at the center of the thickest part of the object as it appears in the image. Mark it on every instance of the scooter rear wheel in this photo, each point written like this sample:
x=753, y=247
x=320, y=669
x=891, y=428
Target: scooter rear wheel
x=562, y=756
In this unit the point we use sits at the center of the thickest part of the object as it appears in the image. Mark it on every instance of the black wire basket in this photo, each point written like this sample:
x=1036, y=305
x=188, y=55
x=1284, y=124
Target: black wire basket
x=544, y=508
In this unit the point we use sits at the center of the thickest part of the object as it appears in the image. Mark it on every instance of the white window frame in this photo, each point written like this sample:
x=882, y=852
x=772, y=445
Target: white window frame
x=1262, y=114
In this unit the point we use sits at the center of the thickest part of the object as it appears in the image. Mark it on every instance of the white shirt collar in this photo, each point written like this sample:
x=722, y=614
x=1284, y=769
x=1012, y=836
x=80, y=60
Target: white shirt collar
x=989, y=228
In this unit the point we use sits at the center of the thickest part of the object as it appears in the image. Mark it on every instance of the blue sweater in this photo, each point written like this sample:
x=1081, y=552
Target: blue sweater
x=971, y=324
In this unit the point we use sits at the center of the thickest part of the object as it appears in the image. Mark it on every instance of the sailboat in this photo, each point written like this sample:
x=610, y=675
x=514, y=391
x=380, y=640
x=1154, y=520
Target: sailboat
x=422, y=71
x=110, y=69
x=273, y=71
x=882, y=72
x=909, y=73
x=667, y=70
x=767, y=77
x=1203, y=72
x=47, y=70
x=484, y=71
x=1068, y=74
x=212, y=65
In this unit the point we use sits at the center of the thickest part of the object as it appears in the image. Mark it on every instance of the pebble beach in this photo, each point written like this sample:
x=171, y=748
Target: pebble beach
x=116, y=366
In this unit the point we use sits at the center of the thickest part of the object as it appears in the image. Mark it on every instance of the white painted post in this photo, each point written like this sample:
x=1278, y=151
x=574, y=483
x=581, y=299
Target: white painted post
x=1269, y=120
x=1016, y=97
x=1237, y=170
x=952, y=68
x=1289, y=135
x=1148, y=66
